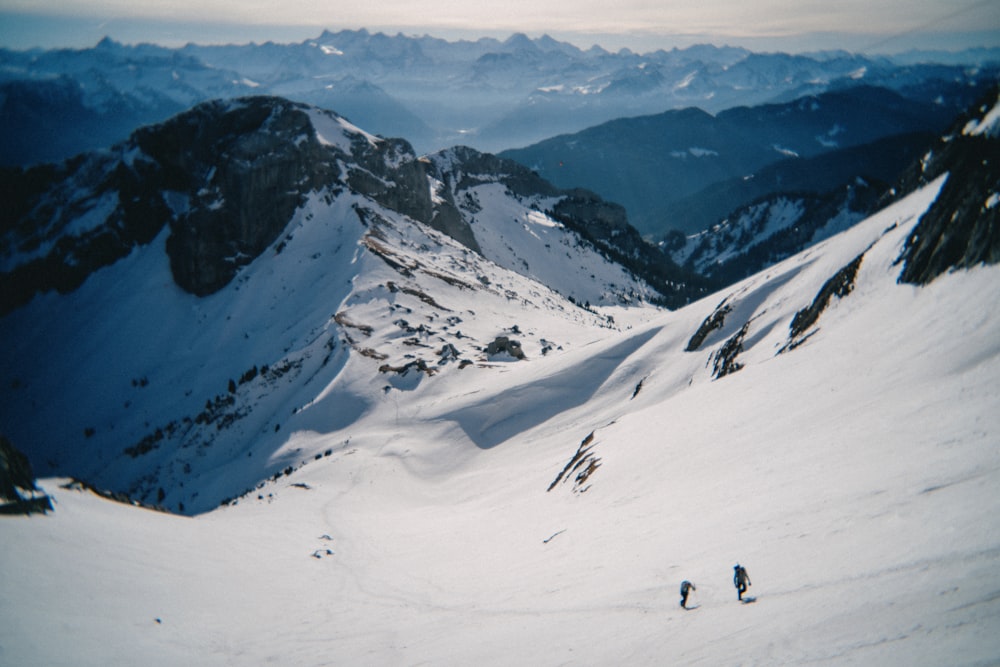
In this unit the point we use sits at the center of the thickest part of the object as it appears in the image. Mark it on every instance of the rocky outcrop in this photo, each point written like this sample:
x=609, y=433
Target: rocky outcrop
x=225, y=177
x=244, y=169
x=602, y=224
x=839, y=285
x=962, y=227
x=392, y=176
x=580, y=467
x=711, y=323
x=16, y=480
x=505, y=345
x=724, y=359
x=45, y=203
x=460, y=168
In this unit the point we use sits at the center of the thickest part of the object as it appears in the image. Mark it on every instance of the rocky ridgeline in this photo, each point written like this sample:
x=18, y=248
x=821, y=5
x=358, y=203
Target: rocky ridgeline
x=602, y=224
x=962, y=228
x=226, y=177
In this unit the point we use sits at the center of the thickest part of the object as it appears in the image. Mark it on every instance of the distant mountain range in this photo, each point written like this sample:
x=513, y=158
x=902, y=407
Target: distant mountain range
x=786, y=221
x=686, y=169
x=488, y=94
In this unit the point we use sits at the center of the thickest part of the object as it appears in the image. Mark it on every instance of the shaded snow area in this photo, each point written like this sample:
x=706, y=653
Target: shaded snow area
x=538, y=512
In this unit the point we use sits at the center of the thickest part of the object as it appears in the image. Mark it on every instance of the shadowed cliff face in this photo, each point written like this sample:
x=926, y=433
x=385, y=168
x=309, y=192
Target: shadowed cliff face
x=225, y=177
x=962, y=227
x=244, y=170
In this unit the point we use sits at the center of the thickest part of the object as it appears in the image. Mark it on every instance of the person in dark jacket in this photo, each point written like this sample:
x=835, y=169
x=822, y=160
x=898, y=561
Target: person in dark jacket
x=741, y=580
x=686, y=587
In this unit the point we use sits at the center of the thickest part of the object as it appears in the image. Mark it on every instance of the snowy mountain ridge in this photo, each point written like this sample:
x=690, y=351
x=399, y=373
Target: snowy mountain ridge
x=252, y=253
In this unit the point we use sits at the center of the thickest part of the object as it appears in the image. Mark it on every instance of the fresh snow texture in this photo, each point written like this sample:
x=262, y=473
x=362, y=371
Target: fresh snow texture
x=854, y=476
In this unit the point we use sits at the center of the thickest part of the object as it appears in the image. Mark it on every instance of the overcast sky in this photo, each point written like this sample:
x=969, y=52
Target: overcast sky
x=792, y=25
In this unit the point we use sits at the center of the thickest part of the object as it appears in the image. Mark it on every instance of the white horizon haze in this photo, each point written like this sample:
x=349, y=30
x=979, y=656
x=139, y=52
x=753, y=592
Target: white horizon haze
x=787, y=25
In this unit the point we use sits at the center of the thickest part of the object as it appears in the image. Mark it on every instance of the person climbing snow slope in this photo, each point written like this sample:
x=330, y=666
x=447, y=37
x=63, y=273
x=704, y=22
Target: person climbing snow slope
x=686, y=587
x=741, y=580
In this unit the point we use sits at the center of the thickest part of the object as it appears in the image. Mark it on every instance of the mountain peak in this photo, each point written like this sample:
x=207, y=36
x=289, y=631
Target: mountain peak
x=108, y=44
x=326, y=244
x=520, y=42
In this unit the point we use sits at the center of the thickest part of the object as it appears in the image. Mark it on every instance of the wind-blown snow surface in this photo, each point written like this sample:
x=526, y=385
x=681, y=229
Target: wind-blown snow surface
x=854, y=476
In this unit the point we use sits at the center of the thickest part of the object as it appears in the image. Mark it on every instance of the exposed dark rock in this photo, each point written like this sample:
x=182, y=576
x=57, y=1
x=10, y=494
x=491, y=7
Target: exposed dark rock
x=839, y=285
x=116, y=496
x=476, y=168
x=714, y=321
x=461, y=168
x=45, y=201
x=15, y=471
x=240, y=169
x=602, y=224
x=638, y=388
x=448, y=353
x=225, y=176
x=724, y=360
x=16, y=477
x=505, y=345
x=962, y=227
x=580, y=467
x=392, y=176
x=418, y=365
x=246, y=168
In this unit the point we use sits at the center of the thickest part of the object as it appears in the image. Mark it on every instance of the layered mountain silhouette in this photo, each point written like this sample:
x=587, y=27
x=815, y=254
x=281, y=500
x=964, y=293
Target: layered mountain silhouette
x=780, y=224
x=489, y=94
x=686, y=169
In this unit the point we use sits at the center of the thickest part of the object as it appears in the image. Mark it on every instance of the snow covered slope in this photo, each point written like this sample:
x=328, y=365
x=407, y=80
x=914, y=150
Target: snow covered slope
x=826, y=426
x=310, y=310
